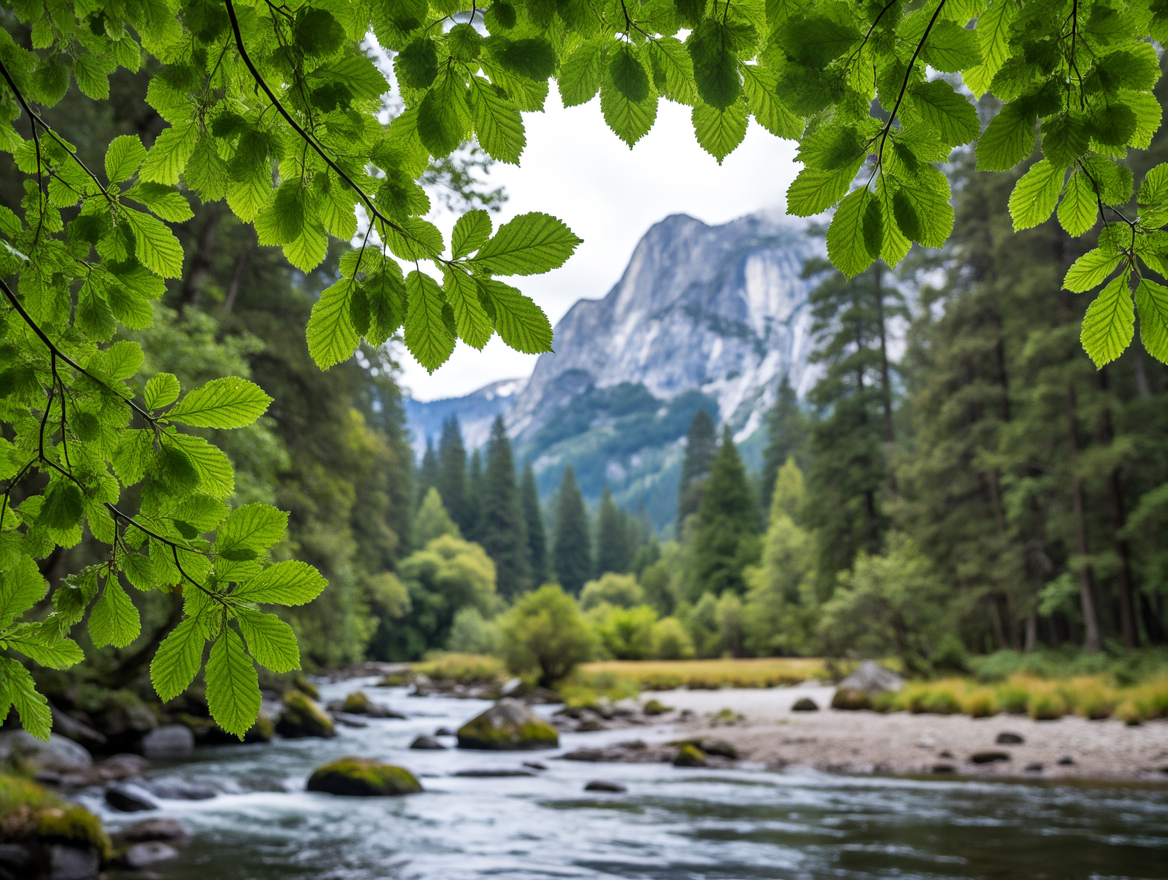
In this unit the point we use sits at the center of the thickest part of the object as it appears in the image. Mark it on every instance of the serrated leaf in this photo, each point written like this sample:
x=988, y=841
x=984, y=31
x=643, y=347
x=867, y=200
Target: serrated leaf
x=123, y=157
x=177, y=660
x=216, y=477
x=154, y=244
x=579, y=78
x=847, y=239
x=63, y=507
x=470, y=319
x=1035, y=194
x=270, y=640
x=1153, y=196
x=471, y=231
x=332, y=338
x=162, y=390
x=1079, y=208
x=948, y=113
x=1090, y=270
x=628, y=100
x=285, y=583
x=673, y=70
x=497, y=122
x=1007, y=140
x=761, y=87
x=428, y=337
x=1152, y=302
x=230, y=402
x=444, y=117
x=233, y=688
x=1109, y=325
x=45, y=646
x=170, y=154
x=815, y=189
x=719, y=132
x=254, y=527
x=518, y=320
x=18, y=688
x=993, y=34
x=21, y=587
x=114, y=620
x=530, y=244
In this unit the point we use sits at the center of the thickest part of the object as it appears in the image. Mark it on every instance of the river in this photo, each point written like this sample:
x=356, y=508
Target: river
x=672, y=824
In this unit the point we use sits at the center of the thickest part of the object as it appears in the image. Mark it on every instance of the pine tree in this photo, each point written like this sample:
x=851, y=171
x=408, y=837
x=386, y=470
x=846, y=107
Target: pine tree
x=428, y=473
x=433, y=521
x=788, y=429
x=502, y=529
x=536, y=533
x=451, y=477
x=701, y=441
x=725, y=531
x=571, y=543
x=474, y=497
x=612, y=537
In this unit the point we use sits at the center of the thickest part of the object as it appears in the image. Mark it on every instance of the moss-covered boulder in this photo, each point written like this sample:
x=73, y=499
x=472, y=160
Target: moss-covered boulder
x=690, y=756
x=49, y=830
x=850, y=699
x=301, y=717
x=362, y=777
x=656, y=707
x=508, y=726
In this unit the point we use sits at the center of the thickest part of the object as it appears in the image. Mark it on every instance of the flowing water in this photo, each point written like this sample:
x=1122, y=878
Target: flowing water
x=673, y=824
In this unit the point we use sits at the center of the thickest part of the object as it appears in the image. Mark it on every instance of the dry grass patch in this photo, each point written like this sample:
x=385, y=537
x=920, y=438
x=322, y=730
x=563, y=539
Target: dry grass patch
x=664, y=675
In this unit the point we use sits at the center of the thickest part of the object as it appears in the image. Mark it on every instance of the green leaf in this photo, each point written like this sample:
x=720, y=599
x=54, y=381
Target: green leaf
x=530, y=244
x=123, y=157
x=673, y=71
x=519, y=321
x=170, y=154
x=1153, y=197
x=177, y=660
x=229, y=402
x=269, y=640
x=1109, y=325
x=952, y=116
x=21, y=587
x=154, y=244
x=815, y=189
x=233, y=687
x=64, y=506
x=1065, y=138
x=950, y=47
x=1007, y=140
x=719, y=132
x=416, y=65
x=45, y=646
x=18, y=688
x=993, y=34
x=579, y=78
x=497, y=122
x=627, y=98
x=1036, y=194
x=715, y=65
x=162, y=390
x=114, y=619
x=761, y=87
x=471, y=230
x=216, y=477
x=852, y=242
x=1090, y=270
x=470, y=319
x=254, y=527
x=428, y=336
x=285, y=583
x=444, y=117
x=1152, y=302
x=1079, y=208
x=385, y=297
x=332, y=337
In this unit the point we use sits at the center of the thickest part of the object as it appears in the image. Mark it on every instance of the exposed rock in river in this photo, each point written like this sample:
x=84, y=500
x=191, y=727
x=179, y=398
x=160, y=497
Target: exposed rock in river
x=301, y=717
x=362, y=777
x=508, y=726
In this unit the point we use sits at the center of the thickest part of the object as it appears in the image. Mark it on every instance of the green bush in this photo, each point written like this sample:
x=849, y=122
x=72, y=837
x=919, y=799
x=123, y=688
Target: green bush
x=620, y=590
x=544, y=632
x=625, y=633
x=671, y=641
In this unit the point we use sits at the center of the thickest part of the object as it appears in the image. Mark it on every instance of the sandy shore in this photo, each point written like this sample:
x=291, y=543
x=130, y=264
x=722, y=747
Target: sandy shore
x=906, y=744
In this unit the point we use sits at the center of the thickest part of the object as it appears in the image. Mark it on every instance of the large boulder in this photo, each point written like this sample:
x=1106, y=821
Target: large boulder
x=301, y=717
x=362, y=777
x=167, y=741
x=156, y=829
x=22, y=750
x=121, y=717
x=859, y=690
x=127, y=797
x=508, y=726
x=46, y=836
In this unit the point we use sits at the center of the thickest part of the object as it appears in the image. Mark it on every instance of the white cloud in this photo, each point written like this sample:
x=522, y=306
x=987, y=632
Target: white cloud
x=575, y=168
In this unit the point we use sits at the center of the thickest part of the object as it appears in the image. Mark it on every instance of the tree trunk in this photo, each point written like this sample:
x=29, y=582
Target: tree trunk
x=1116, y=517
x=1086, y=578
x=199, y=271
x=885, y=379
x=241, y=264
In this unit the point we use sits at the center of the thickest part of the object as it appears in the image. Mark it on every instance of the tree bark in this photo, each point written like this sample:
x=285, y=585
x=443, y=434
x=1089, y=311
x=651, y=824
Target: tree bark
x=1116, y=517
x=1086, y=578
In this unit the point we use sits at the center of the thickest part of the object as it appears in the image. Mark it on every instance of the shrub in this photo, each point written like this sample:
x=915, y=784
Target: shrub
x=463, y=668
x=625, y=633
x=1014, y=697
x=980, y=702
x=471, y=633
x=545, y=632
x=671, y=641
x=1046, y=703
x=1090, y=697
x=621, y=590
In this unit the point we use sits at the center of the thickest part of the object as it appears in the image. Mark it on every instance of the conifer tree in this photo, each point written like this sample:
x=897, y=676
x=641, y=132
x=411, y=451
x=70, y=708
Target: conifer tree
x=701, y=441
x=788, y=429
x=502, y=526
x=612, y=537
x=571, y=543
x=725, y=532
x=451, y=477
x=474, y=497
x=536, y=533
x=433, y=521
x=428, y=473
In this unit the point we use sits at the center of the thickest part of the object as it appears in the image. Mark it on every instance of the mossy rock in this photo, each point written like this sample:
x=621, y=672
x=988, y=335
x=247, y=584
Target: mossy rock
x=690, y=756
x=508, y=726
x=356, y=703
x=301, y=683
x=850, y=699
x=362, y=777
x=656, y=707
x=207, y=732
x=31, y=813
x=301, y=717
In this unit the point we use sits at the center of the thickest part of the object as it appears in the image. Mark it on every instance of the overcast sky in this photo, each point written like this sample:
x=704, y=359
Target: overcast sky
x=575, y=168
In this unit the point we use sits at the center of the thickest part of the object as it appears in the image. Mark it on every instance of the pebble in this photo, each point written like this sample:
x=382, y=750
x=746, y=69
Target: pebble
x=1005, y=738
x=604, y=785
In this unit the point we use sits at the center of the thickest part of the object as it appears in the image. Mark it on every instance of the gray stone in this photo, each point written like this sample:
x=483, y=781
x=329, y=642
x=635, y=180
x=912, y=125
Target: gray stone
x=129, y=798
x=15, y=855
x=172, y=789
x=805, y=704
x=78, y=731
x=492, y=773
x=1066, y=761
x=156, y=829
x=507, y=726
x=58, y=754
x=536, y=765
x=871, y=678
x=603, y=785
x=142, y=855
x=944, y=768
x=170, y=739
x=444, y=731
x=1034, y=768
x=427, y=743
x=1005, y=738
x=70, y=863
x=989, y=757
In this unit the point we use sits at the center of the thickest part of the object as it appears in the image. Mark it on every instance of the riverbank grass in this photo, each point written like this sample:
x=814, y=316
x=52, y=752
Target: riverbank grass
x=729, y=672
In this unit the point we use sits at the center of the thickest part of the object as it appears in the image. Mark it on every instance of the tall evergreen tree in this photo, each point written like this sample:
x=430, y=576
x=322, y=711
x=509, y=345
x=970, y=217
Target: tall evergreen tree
x=612, y=537
x=503, y=529
x=725, y=532
x=451, y=478
x=474, y=497
x=427, y=474
x=571, y=544
x=536, y=533
x=788, y=430
x=701, y=442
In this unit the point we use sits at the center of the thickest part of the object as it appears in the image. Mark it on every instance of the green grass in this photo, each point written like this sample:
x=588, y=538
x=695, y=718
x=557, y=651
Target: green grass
x=464, y=668
x=665, y=675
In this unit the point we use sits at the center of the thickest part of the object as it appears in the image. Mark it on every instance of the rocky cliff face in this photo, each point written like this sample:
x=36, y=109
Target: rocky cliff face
x=704, y=316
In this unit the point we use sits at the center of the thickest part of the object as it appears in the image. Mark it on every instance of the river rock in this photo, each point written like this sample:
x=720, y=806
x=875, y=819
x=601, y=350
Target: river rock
x=508, y=726
x=656, y=707
x=348, y=720
x=72, y=863
x=301, y=718
x=805, y=704
x=179, y=790
x=14, y=857
x=989, y=757
x=156, y=829
x=142, y=855
x=492, y=772
x=112, y=769
x=427, y=743
x=444, y=731
x=1034, y=768
x=604, y=785
x=168, y=740
x=357, y=703
x=536, y=765
x=60, y=755
x=690, y=756
x=78, y=731
x=123, y=719
x=631, y=752
x=362, y=777
x=871, y=678
x=1066, y=761
x=1005, y=738
x=129, y=798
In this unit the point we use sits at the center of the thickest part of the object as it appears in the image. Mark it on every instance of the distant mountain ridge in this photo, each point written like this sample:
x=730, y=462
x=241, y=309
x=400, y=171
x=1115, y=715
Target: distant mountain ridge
x=703, y=316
